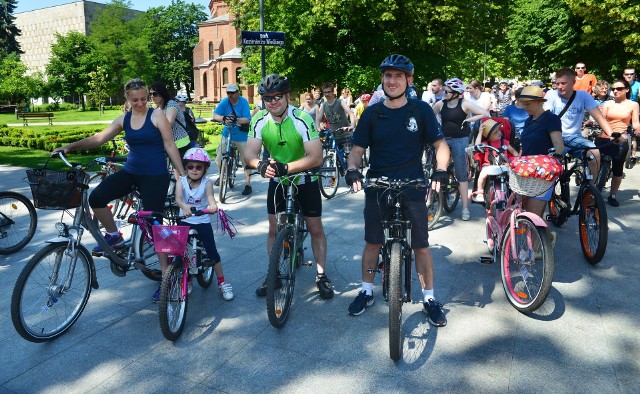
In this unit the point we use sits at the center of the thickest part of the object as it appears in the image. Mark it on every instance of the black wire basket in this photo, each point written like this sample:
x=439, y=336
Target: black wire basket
x=54, y=189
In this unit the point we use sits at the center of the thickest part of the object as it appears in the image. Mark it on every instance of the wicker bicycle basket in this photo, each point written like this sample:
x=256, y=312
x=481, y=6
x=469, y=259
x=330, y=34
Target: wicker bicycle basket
x=53, y=189
x=532, y=187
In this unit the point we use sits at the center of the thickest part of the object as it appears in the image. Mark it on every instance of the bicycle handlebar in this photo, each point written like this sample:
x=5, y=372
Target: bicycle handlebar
x=194, y=212
x=385, y=182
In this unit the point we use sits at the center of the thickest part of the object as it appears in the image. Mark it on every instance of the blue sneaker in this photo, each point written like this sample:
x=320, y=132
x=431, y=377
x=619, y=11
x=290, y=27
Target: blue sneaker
x=361, y=302
x=113, y=240
x=155, y=298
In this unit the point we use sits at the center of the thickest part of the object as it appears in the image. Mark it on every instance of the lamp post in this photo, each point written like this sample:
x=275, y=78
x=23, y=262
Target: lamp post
x=484, y=75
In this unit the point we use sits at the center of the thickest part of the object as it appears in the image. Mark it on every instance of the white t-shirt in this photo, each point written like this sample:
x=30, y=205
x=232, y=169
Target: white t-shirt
x=572, y=119
x=484, y=101
x=196, y=198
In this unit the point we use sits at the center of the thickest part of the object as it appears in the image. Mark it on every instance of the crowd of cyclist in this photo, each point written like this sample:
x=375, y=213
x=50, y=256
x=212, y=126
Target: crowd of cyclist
x=391, y=122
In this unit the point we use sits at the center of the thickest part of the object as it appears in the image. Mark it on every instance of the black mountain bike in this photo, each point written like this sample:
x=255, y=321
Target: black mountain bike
x=18, y=222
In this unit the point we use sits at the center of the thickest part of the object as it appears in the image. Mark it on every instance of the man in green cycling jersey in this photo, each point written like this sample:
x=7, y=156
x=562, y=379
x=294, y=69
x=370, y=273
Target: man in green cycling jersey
x=292, y=139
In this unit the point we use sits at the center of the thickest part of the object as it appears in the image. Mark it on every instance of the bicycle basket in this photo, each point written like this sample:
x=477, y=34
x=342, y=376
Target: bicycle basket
x=532, y=187
x=53, y=189
x=533, y=175
x=170, y=239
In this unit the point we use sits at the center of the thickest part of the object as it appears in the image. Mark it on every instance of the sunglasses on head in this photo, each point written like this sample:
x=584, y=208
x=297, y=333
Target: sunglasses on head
x=269, y=99
x=135, y=84
x=618, y=88
x=154, y=94
x=195, y=167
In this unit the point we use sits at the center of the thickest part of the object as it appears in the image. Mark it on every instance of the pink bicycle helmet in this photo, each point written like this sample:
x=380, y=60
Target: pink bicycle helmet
x=365, y=97
x=456, y=85
x=198, y=155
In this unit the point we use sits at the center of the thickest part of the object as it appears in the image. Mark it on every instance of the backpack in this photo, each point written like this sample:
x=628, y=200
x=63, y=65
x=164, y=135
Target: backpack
x=191, y=127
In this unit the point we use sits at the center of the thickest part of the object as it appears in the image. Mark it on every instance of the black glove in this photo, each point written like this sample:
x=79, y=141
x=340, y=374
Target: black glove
x=440, y=176
x=281, y=168
x=262, y=168
x=352, y=176
x=230, y=119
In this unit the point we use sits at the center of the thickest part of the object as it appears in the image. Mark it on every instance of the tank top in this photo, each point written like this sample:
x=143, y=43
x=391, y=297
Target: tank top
x=452, y=121
x=335, y=115
x=146, y=148
x=196, y=198
x=618, y=116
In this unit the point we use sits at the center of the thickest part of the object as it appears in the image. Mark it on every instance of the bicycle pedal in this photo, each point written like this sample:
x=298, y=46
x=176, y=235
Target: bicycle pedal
x=486, y=260
x=308, y=264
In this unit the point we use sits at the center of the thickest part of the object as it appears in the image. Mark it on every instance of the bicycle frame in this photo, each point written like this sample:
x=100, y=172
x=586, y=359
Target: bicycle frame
x=291, y=217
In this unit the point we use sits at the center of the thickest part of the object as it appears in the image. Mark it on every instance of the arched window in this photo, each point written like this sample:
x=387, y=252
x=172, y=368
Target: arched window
x=210, y=50
x=225, y=76
x=238, y=75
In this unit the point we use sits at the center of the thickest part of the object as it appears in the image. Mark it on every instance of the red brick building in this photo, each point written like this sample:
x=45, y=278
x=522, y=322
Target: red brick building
x=217, y=59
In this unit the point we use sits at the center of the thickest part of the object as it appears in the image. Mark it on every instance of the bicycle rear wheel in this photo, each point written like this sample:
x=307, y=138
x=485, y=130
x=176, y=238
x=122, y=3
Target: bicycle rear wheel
x=173, y=304
x=46, y=302
x=18, y=222
x=144, y=250
x=526, y=278
x=558, y=210
x=434, y=202
x=223, y=180
x=329, y=177
x=395, y=302
x=603, y=174
x=205, y=273
x=451, y=194
x=593, y=225
x=233, y=167
x=281, y=278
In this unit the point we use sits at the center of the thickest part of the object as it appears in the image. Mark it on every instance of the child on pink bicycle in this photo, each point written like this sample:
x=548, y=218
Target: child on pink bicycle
x=196, y=191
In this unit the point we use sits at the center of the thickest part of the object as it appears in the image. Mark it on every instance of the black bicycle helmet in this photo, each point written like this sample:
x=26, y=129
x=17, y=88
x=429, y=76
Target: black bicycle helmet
x=397, y=62
x=274, y=83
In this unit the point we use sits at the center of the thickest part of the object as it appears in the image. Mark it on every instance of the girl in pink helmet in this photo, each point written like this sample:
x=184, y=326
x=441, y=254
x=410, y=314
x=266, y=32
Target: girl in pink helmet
x=197, y=192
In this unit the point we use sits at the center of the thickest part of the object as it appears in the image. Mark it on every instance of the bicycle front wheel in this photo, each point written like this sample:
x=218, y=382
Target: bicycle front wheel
x=593, y=225
x=395, y=302
x=51, y=292
x=527, y=277
x=434, y=201
x=173, y=301
x=329, y=176
x=281, y=278
x=18, y=222
x=223, y=180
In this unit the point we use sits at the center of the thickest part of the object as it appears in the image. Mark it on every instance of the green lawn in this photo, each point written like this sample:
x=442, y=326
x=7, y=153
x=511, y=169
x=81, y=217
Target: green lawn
x=66, y=116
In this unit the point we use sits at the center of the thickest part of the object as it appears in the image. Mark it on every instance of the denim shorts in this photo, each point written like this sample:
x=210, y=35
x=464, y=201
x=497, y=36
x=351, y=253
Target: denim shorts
x=460, y=162
x=575, y=143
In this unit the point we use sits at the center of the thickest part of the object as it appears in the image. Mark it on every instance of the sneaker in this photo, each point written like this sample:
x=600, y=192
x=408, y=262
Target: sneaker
x=226, y=290
x=362, y=301
x=113, y=240
x=433, y=309
x=261, y=291
x=613, y=202
x=478, y=197
x=466, y=214
x=156, y=296
x=247, y=190
x=324, y=286
x=216, y=182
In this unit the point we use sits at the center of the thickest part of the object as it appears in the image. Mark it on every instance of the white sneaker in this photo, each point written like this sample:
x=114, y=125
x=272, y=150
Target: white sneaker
x=466, y=214
x=226, y=290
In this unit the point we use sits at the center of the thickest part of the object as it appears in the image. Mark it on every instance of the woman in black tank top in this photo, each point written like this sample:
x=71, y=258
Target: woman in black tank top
x=455, y=114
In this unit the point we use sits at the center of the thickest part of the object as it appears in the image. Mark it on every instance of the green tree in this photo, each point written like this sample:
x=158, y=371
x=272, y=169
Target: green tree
x=8, y=29
x=73, y=57
x=98, y=87
x=15, y=86
x=172, y=33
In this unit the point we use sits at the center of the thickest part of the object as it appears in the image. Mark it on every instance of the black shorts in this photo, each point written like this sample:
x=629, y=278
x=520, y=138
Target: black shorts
x=307, y=195
x=414, y=210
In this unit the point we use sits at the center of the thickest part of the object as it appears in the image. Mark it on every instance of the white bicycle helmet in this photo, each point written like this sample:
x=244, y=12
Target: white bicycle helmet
x=456, y=85
x=182, y=97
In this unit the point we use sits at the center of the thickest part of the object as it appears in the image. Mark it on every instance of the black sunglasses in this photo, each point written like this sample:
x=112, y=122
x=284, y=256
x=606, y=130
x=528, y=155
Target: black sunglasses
x=269, y=99
x=618, y=88
x=134, y=84
x=154, y=94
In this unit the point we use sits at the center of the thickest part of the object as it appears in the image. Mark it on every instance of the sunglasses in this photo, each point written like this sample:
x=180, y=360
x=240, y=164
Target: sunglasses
x=580, y=68
x=154, y=94
x=618, y=88
x=135, y=84
x=629, y=74
x=197, y=168
x=231, y=93
x=269, y=99
x=447, y=91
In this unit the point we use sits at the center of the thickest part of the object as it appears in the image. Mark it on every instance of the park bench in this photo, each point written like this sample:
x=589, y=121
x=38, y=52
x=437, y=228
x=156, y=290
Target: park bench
x=26, y=116
x=198, y=110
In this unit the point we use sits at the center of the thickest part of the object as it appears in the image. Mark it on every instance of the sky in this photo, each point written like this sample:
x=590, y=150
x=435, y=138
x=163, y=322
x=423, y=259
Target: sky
x=141, y=5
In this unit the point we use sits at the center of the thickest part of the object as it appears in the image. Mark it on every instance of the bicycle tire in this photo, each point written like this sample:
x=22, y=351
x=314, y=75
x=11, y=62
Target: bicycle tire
x=223, y=180
x=527, y=279
x=434, y=206
x=43, y=316
x=115, y=205
x=558, y=213
x=593, y=225
x=630, y=159
x=395, y=302
x=15, y=231
x=231, y=173
x=603, y=174
x=329, y=178
x=145, y=250
x=451, y=195
x=173, y=306
x=205, y=274
x=280, y=278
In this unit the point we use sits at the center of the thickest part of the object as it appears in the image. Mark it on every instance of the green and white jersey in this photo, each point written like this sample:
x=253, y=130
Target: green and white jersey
x=285, y=140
